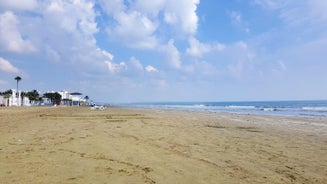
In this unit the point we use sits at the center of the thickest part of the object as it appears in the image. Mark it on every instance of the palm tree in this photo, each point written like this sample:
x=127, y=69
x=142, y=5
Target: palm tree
x=18, y=79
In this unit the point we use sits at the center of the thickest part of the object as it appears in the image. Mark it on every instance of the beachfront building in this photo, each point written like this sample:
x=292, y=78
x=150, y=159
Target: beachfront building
x=70, y=99
x=76, y=98
x=3, y=100
x=65, y=98
x=15, y=99
x=64, y=94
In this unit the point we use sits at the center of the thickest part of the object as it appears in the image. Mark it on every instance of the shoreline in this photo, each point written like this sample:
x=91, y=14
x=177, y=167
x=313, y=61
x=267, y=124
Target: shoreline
x=122, y=145
x=303, y=108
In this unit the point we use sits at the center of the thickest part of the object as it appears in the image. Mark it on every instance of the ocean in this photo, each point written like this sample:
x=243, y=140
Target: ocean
x=313, y=108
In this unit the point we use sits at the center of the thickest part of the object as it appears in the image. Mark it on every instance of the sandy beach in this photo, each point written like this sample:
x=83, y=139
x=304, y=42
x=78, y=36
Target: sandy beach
x=122, y=145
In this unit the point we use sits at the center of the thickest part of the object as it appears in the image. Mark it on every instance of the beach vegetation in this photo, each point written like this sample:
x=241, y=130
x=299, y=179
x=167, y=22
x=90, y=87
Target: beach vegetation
x=32, y=95
x=7, y=93
x=55, y=98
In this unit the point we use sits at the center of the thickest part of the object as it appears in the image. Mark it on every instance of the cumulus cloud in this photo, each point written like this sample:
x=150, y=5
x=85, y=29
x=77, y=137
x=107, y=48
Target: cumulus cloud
x=150, y=68
x=135, y=64
x=149, y=6
x=72, y=17
x=136, y=24
x=134, y=30
x=107, y=55
x=113, y=67
x=65, y=33
x=182, y=15
x=197, y=49
x=6, y=66
x=113, y=7
x=11, y=40
x=18, y=5
x=171, y=55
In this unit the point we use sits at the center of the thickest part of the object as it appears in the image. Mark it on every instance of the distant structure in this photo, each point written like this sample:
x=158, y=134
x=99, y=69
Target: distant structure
x=70, y=99
x=76, y=99
x=15, y=99
x=67, y=99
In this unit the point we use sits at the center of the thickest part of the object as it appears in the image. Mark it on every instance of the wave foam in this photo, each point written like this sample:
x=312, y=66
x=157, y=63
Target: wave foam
x=321, y=109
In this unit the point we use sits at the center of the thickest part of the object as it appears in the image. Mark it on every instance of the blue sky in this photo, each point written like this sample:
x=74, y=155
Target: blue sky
x=166, y=50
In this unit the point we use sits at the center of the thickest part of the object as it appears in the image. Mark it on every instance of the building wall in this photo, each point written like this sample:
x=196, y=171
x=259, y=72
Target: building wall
x=17, y=100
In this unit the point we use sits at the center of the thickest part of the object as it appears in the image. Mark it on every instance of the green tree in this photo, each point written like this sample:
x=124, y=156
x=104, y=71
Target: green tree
x=54, y=97
x=7, y=93
x=33, y=95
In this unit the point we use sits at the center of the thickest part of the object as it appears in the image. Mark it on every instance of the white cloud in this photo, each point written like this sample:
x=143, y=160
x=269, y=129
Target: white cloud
x=135, y=30
x=182, y=15
x=11, y=39
x=149, y=6
x=65, y=32
x=107, y=55
x=18, y=5
x=113, y=7
x=136, y=23
x=197, y=49
x=179, y=14
x=6, y=66
x=236, y=17
x=136, y=64
x=171, y=55
x=114, y=68
x=74, y=16
x=150, y=68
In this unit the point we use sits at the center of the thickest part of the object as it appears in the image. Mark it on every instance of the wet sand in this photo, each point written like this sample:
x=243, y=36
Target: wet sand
x=120, y=145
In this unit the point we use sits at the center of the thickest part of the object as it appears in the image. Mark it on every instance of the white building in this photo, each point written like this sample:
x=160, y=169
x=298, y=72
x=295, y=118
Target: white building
x=70, y=99
x=76, y=98
x=16, y=99
x=64, y=95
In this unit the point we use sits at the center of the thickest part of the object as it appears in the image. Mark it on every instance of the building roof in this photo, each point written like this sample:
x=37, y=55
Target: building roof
x=76, y=93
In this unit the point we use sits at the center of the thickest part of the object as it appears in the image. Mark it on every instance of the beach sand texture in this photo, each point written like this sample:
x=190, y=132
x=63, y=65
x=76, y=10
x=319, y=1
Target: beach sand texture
x=121, y=145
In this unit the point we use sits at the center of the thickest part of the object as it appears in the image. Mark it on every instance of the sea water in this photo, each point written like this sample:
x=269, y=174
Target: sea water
x=316, y=108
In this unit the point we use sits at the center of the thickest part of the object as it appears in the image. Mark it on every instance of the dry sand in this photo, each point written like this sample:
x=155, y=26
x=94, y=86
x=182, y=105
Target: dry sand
x=120, y=145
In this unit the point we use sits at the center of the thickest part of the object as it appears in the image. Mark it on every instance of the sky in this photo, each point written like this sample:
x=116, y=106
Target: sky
x=166, y=50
